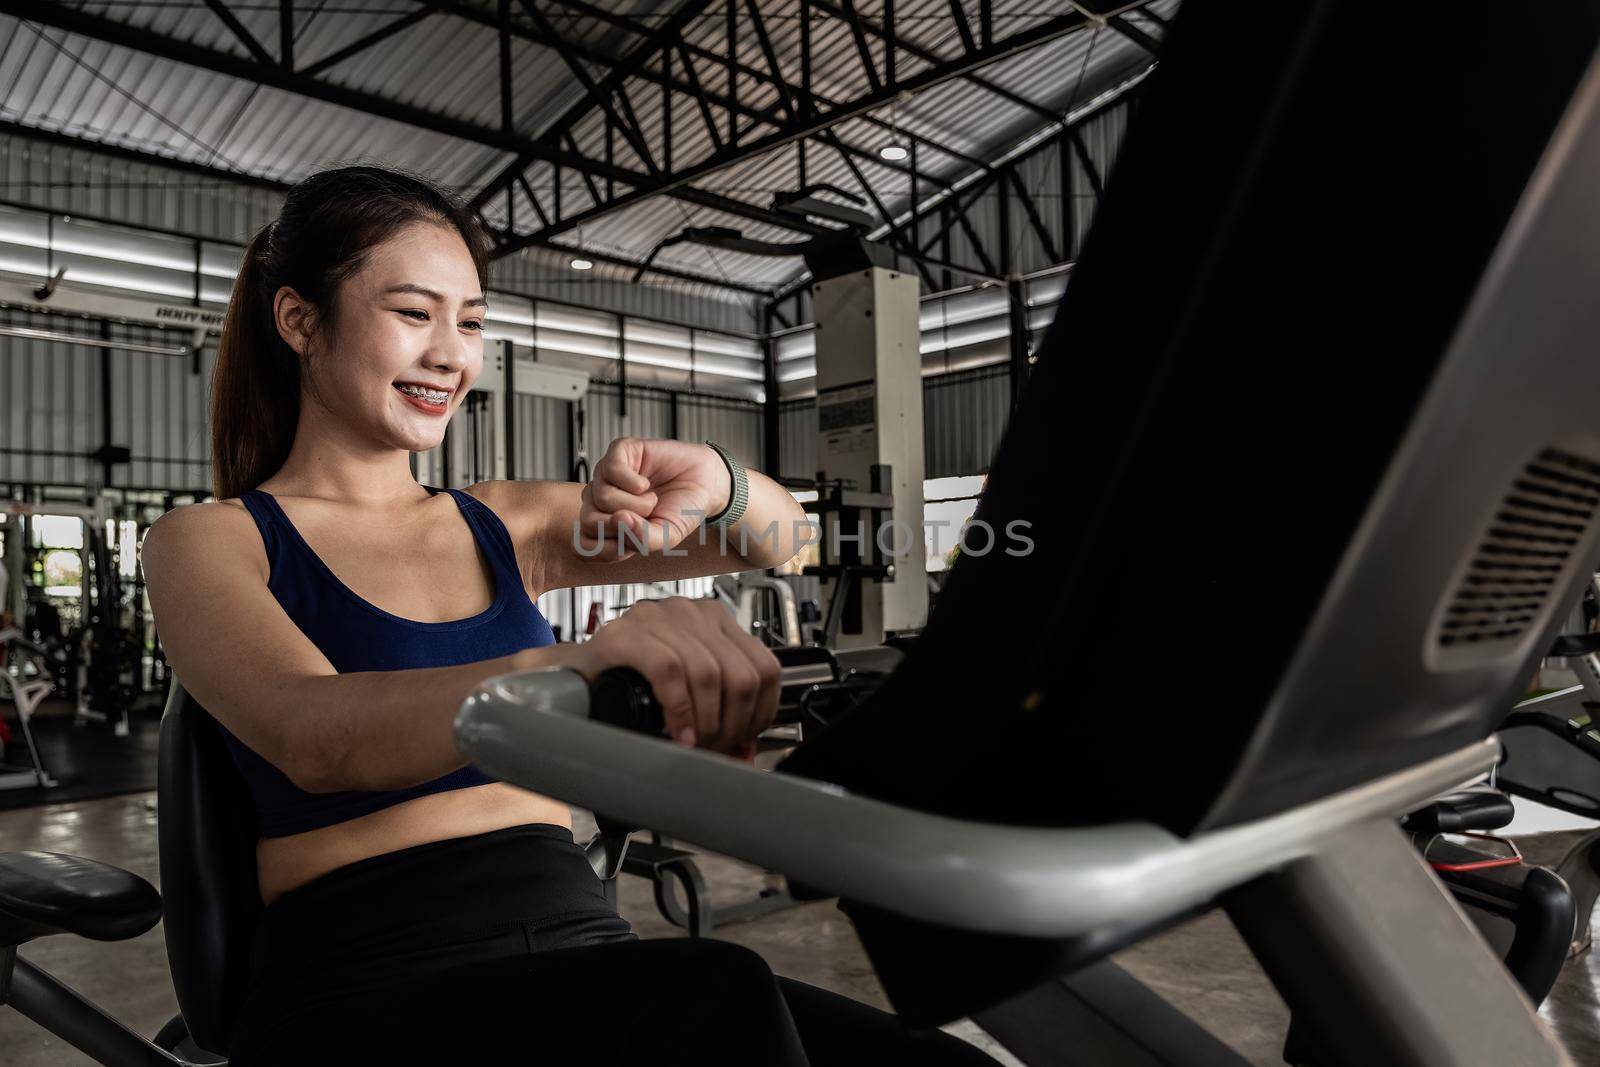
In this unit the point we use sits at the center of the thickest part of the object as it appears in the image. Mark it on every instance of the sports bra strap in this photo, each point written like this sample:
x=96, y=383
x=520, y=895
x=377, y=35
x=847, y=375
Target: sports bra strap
x=265, y=511
x=491, y=533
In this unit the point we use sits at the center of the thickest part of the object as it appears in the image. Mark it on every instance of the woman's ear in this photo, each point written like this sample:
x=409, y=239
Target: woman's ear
x=293, y=315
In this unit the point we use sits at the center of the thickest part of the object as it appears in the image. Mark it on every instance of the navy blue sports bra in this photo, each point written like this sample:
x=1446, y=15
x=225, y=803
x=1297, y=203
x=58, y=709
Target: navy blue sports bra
x=357, y=635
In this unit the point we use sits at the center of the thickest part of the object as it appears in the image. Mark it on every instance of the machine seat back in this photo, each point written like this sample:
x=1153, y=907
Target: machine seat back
x=207, y=837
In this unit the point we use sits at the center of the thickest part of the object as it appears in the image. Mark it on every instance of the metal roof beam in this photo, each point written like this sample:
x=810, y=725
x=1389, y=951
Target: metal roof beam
x=601, y=93
x=246, y=38
x=277, y=77
x=785, y=94
x=286, y=34
x=1046, y=240
x=650, y=267
x=594, y=94
x=633, y=64
x=953, y=208
x=378, y=35
x=962, y=27
x=1134, y=34
x=134, y=155
x=854, y=21
x=789, y=103
x=958, y=14
x=1089, y=169
x=812, y=124
x=769, y=116
x=883, y=213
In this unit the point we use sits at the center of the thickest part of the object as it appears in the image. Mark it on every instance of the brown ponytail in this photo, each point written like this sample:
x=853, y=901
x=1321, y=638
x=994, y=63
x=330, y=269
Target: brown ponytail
x=255, y=390
x=329, y=223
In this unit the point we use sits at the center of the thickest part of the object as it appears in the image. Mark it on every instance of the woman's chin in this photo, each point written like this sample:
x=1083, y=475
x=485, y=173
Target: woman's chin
x=415, y=436
x=413, y=440
x=425, y=444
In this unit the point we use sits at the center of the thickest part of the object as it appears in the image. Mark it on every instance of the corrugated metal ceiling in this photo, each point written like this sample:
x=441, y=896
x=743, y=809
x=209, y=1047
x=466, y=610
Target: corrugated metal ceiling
x=60, y=81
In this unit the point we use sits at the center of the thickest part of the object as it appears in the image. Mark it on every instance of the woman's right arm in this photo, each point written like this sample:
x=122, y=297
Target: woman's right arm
x=240, y=655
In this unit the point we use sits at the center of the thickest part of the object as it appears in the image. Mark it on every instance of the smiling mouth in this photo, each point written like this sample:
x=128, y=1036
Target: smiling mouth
x=433, y=401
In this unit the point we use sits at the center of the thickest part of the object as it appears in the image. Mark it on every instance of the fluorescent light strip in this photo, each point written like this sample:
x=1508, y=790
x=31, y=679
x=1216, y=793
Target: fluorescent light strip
x=499, y=314
x=569, y=326
x=965, y=338
x=725, y=371
x=93, y=342
x=18, y=266
x=110, y=281
x=804, y=345
x=1050, y=292
x=724, y=345
x=114, y=255
x=935, y=321
x=573, y=349
x=119, y=255
x=520, y=337
x=659, y=361
x=651, y=334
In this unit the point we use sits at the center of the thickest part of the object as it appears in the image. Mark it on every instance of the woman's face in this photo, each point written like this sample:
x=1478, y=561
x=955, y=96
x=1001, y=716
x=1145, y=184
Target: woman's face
x=409, y=340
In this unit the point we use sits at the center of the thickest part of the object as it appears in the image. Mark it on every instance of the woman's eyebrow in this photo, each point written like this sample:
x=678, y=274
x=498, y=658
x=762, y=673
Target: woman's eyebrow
x=422, y=290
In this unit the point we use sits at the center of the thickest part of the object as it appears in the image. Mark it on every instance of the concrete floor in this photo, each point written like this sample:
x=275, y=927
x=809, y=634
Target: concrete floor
x=1203, y=967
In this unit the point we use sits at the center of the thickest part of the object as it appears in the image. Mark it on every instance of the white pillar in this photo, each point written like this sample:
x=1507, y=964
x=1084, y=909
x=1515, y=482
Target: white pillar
x=869, y=411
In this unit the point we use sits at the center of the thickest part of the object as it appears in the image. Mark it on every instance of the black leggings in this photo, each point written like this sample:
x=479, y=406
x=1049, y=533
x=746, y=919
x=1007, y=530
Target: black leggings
x=502, y=947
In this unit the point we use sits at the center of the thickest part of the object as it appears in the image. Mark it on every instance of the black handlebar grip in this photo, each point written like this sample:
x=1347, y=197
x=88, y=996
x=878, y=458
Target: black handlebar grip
x=622, y=697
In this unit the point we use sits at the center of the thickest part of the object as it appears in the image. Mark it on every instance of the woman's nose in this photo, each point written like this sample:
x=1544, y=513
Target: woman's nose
x=446, y=360
x=449, y=355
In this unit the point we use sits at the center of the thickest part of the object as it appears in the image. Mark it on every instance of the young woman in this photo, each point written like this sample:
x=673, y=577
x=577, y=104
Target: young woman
x=332, y=614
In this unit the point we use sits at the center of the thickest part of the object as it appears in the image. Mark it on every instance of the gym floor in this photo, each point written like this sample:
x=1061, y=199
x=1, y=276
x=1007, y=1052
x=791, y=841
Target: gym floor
x=1202, y=967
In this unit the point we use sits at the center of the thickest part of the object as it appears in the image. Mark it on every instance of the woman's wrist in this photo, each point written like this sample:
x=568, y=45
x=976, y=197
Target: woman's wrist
x=568, y=654
x=539, y=656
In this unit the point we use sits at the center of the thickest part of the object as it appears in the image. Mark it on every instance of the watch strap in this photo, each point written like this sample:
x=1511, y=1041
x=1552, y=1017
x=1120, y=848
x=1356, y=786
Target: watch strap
x=738, y=498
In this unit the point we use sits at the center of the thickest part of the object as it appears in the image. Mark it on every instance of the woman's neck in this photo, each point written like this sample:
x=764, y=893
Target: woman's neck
x=331, y=462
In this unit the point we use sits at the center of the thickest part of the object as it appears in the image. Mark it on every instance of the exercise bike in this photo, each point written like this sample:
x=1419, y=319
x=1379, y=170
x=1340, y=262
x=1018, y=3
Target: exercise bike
x=987, y=875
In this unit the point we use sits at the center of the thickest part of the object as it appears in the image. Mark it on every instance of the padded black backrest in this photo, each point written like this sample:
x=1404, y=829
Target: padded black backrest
x=207, y=830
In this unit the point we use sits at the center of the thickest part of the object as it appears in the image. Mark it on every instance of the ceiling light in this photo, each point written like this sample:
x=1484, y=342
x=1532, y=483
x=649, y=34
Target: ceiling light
x=894, y=153
x=582, y=264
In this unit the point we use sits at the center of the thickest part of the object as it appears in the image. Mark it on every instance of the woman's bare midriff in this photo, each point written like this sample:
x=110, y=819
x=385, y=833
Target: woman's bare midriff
x=285, y=863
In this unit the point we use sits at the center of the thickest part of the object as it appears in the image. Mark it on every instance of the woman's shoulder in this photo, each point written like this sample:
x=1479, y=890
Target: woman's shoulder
x=185, y=519
x=197, y=534
x=521, y=505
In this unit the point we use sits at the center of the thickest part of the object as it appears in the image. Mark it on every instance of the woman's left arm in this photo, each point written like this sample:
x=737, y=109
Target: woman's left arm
x=641, y=519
